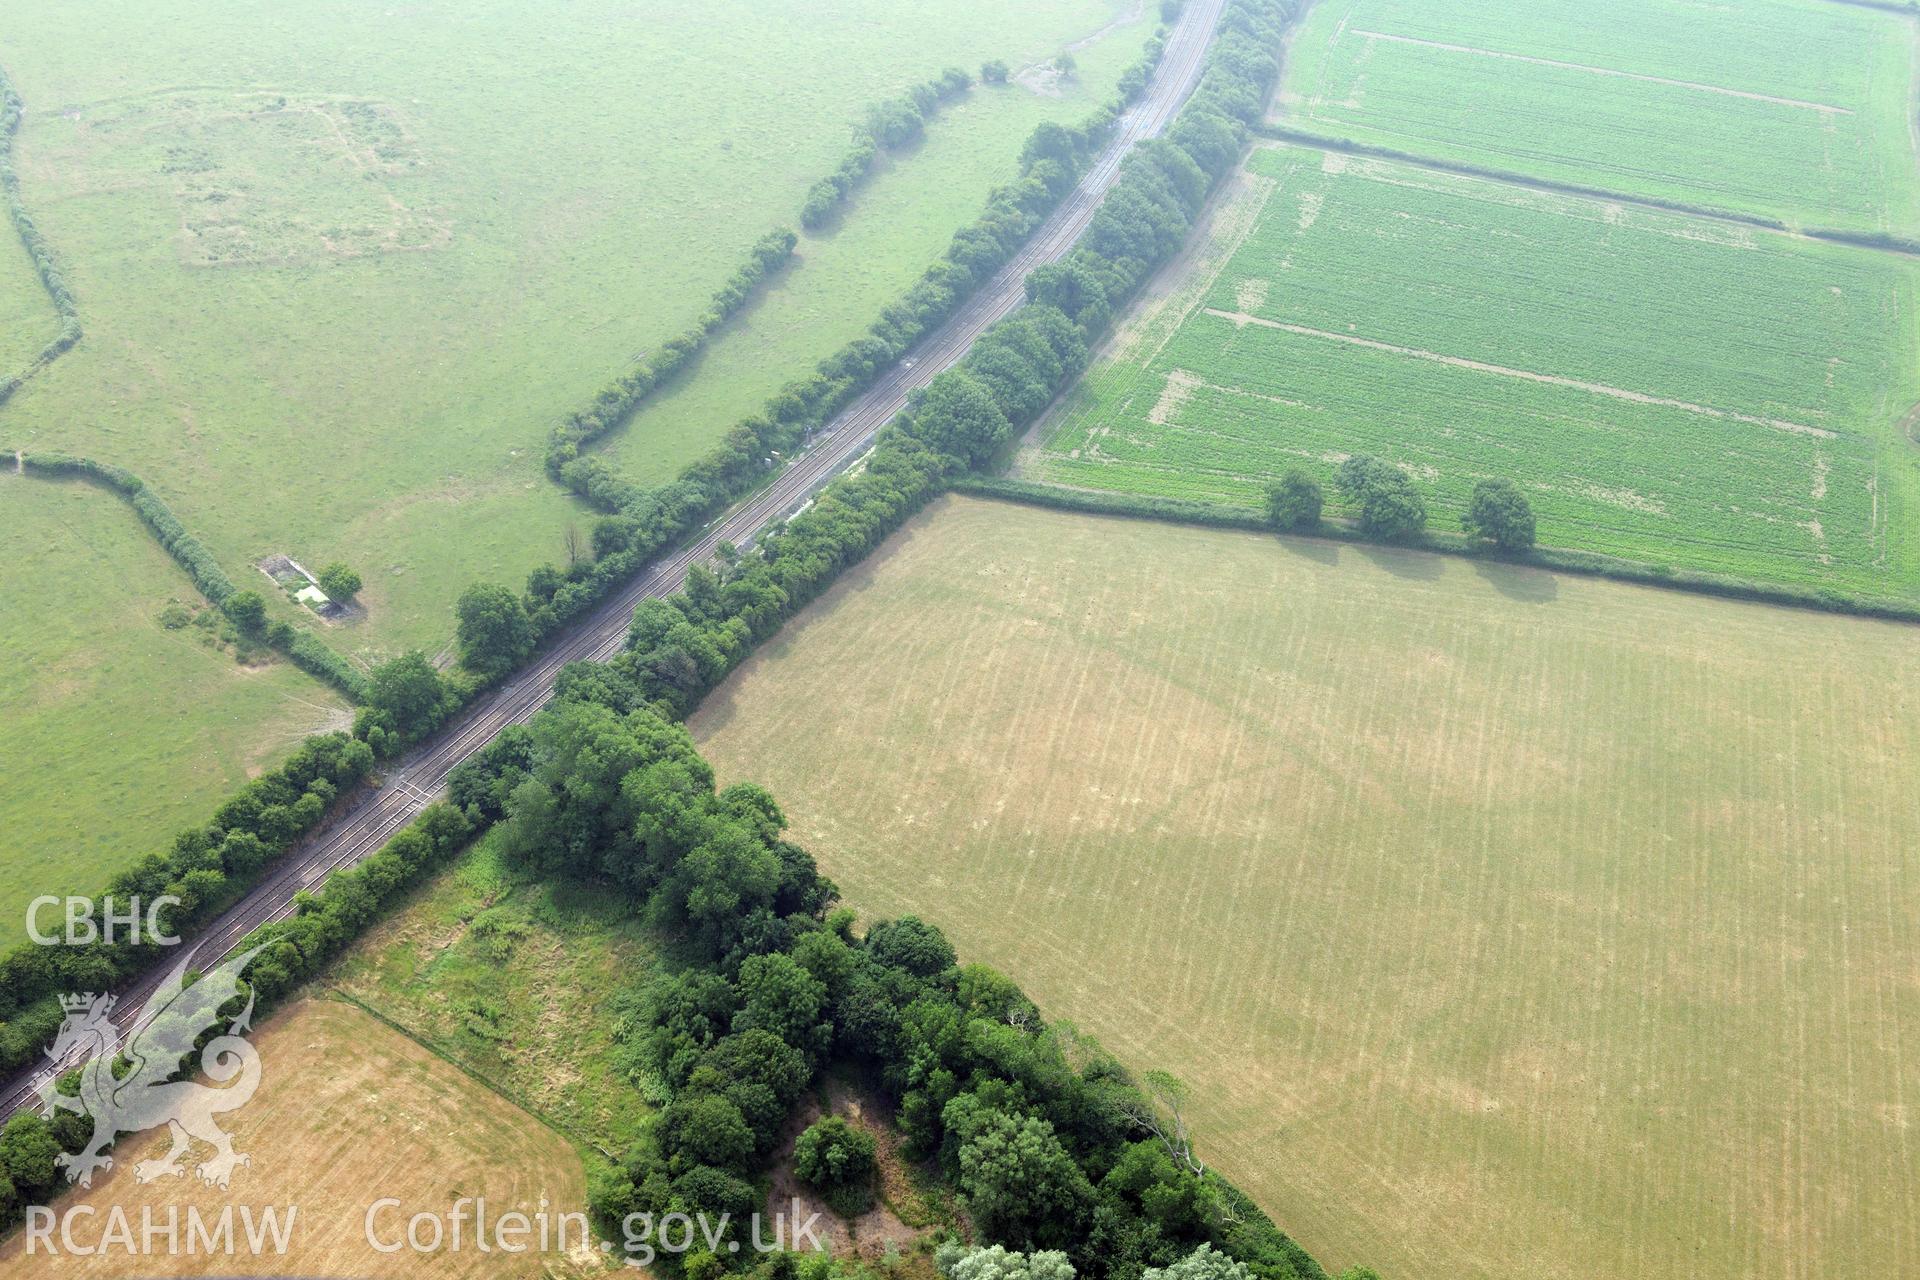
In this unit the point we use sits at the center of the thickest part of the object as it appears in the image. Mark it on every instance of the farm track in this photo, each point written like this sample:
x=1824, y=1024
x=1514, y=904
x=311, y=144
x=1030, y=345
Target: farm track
x=421, y=777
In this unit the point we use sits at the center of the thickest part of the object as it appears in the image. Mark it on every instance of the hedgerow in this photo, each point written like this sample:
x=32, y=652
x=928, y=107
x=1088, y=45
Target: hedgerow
x=888, y=126
x=303, y=648
x=1585, y=563
x=45, y=265
x=618, y=399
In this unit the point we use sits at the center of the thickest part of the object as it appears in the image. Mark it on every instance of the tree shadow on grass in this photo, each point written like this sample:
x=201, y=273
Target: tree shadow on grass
x=1319, y=550
x=1520, y=582
x=1416, y=566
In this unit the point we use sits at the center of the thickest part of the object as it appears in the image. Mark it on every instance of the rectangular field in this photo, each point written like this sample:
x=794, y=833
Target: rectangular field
x=1792, y=109
x=1665, y=387
x=1504, y=924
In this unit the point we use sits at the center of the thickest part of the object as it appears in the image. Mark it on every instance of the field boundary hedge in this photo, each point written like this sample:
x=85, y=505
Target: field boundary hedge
x=301, y=646
x=1373, y=151
x=620, y=399
x=41, y=254
x=888, y=126
x=1587, y=564
x=1880, y=241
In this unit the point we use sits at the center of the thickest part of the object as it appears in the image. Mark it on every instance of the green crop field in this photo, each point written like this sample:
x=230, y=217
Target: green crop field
x=1664, y=387
x=115, y=730
x=1793, y=109
x=27, y=320
x=340, y=272
x=1504, y=924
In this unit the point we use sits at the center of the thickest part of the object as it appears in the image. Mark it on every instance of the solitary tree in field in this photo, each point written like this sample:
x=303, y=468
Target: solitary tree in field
x=1294, y=502
x=1500, y=513
x=994, y=72
x=339, y=581
x=1066, y=65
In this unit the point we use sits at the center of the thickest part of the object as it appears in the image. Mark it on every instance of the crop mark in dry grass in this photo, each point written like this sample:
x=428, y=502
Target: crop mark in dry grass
x=1241, y=319
x=1610, y=72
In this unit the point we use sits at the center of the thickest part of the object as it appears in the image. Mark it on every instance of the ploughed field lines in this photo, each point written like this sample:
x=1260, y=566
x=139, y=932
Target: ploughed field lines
x=1665, y=387
x=1800, y=113
x=1503, y=924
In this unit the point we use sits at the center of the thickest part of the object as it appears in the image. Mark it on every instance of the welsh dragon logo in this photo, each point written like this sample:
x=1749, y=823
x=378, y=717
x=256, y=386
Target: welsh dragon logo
x=140, y=1096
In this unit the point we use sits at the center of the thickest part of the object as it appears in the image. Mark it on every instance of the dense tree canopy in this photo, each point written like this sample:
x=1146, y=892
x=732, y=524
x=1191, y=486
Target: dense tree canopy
x=1391, y=509
x=1294, y=502
x=1501, y=514
x=494, y=631
x=340, y=581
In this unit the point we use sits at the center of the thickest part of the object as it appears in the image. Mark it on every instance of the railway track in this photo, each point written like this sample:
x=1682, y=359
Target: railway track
x=421, y=777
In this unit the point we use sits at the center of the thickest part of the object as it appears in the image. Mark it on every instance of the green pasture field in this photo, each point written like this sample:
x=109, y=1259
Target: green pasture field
x=115, y=730
x=340, y=271
x=1664, y=387
x=897, y=223
x=27, y=319
x=1504, y=923
x=514, y=980
x=1800, y=110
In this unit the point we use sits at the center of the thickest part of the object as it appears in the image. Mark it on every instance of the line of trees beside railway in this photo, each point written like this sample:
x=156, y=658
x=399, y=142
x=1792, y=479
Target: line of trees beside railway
x=206, y=867
x=44, y=263
x=322, y=926
x=889, y=126
x=638, y=523
x=681, y=647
